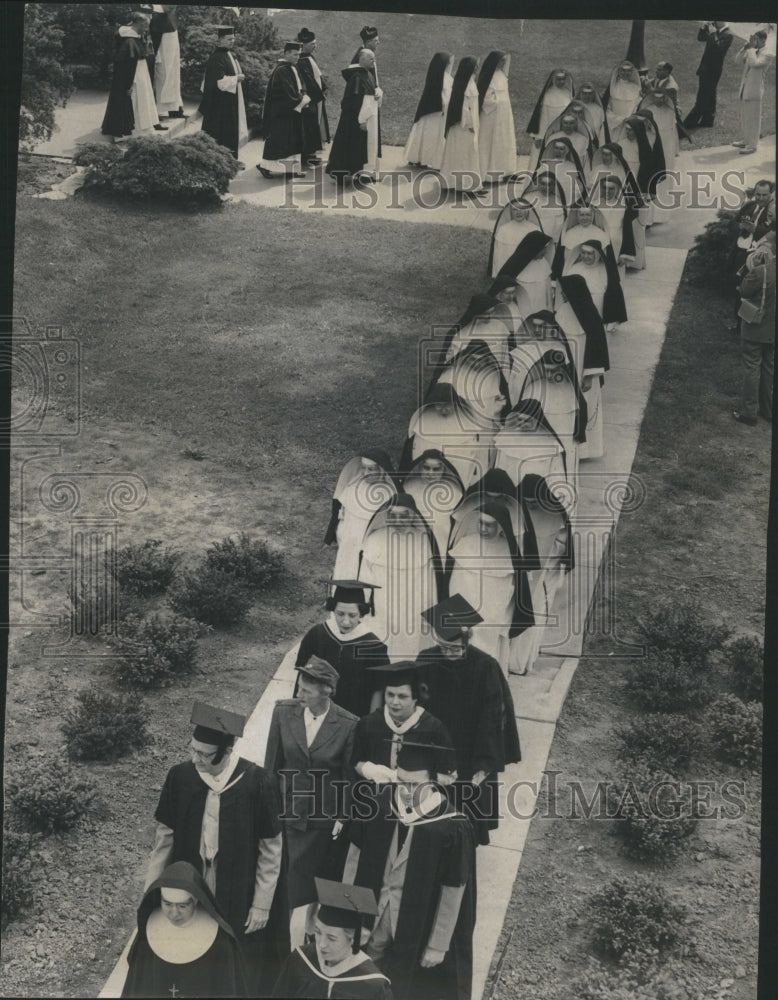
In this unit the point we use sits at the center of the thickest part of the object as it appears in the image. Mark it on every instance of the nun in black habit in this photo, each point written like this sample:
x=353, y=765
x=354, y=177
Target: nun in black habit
x=356, y=147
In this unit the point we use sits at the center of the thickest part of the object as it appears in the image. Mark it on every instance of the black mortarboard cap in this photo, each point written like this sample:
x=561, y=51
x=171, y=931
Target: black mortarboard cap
x=212, y=725
x=225, y=29
x=414, y=755
x=452, y=618
x=342, y=905
x=292, y=46
x=353, y=592
x=396, y=674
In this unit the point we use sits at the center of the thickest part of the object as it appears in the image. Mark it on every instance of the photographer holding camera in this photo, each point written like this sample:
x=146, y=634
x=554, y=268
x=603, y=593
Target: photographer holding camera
x=755, y=219
x=717, y=38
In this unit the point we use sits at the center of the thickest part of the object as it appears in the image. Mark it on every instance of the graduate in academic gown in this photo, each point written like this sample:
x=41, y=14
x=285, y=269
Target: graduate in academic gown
x=282, y=117
x=417, y=855
x=513, y=223
x=222, y=105
x=496, y=131
x=379, y=736
x=460, y=165
x=184, y=946
x=356, y=147
x=424, y=147
x=364, y=484
x=316, y=127
x=400, y=558
x=469, y=693
x=167, y=61
x=220, y=813
x=346, y=641
x=332, y=965
x=437, y=489
x=622, y=95
x=556, y=94
x=580, y=312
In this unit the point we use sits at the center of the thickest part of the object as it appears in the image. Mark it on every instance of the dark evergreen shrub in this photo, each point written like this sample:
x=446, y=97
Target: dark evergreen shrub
x=105, y=726
x=652, y=813
x=153, y=651
x=50, y=795
x=660, y=683
x=744, y=659
x=211, y=596
x=634, y=917
x=146, y=569
x=659, y=741
x=247, y=559
x=735, y=729
x=680, y=627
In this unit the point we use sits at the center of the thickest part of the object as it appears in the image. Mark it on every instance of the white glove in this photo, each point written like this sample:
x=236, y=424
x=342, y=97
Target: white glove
x=378, y=773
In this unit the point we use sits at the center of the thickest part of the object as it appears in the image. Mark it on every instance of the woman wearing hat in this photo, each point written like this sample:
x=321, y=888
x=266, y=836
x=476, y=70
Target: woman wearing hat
x=346, y=641
x=309, y=749
x=184, y=946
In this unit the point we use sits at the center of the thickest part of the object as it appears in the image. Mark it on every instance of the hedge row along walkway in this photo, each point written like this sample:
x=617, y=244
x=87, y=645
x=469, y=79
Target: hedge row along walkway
x=606, y=491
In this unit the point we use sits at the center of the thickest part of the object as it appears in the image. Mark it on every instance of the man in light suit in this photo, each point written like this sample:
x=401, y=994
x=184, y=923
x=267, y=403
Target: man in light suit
x=309, y=749
x=755, y=62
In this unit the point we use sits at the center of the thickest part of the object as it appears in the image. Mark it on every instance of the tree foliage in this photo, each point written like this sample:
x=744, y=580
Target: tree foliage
x=46, y=82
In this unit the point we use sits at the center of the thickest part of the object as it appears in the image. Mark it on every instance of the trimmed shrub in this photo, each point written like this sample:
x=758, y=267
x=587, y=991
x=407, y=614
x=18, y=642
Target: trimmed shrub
x=709, y=258
x=744, y=659
x=95, y=606
x=50, y=795
x=105, y=726
x=247, y=559
x=17, y=874
x=651, y=813
x=212, y=596
x=659, y=741
x=634, y=919
x=736, y=730
x=681, y=628
x=194, y=168
x=154, y=651
x=661, y=683
x=146, y=569
x=99, y=158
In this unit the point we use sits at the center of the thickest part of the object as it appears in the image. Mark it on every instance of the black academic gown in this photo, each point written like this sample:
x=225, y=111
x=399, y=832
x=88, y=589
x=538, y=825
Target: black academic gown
x=316, y=127
x=248, y=812
x=281, y=124
x=302, y=976
x=349, y=657
x=348, y=153
x=119, y=119
x=373, y=739
x=374, y=78
x=472, y=699
x=441, y=853
x=219, y=108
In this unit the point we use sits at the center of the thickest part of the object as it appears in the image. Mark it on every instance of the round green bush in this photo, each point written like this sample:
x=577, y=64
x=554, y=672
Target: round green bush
x=659, y=741
x=681, y=628
x=146, y=569
x=709, y=258
x=735, y=729
x=246, y=558
x=211, y=596
x=663, y=683
x=50, y=795
x=652, y=814
x=744, y=660
x=154, y=650
x=105, y=726
x=17, y=893
x=635, y=918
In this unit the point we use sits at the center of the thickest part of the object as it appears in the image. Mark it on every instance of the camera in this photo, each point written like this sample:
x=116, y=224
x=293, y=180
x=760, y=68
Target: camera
x=46, y=379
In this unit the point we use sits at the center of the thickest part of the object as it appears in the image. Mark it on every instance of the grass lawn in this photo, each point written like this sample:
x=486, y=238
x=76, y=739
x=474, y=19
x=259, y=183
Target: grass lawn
x=700, y=534
x=588, y=48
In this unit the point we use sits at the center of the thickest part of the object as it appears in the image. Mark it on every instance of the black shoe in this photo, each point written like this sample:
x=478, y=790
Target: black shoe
x=313, y=161
x=265, y=173
x=741, y=419
x=177, y=114
x=161, y=128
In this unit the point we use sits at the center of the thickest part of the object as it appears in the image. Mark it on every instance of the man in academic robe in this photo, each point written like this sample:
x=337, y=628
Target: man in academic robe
x=717, y=38
x=356, y=147
x=184, y=946
x=220, y=813
x=316, y=128
x=418, y=856
x=222, y=105
x=468, y=692
x=167, y=60
x=369, y=37
x=333, y=964
x=282, y=117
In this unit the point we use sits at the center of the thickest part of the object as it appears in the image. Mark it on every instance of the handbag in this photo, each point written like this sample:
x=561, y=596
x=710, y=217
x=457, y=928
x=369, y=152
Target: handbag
x=748, y=311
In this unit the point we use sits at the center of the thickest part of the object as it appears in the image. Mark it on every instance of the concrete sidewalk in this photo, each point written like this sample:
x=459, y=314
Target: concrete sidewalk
x=605, y=489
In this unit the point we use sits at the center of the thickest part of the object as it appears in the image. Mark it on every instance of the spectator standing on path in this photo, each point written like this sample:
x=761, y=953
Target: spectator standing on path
x=755, y=219
x=220, y=813
x=755, y=63
x=222, y=106
x=167, y=61
x=316, y=127
x=282, y=118
x=717, y=38
x=757, y=334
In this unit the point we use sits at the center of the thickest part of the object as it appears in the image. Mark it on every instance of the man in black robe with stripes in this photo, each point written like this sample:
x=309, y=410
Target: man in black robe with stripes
x=316, y=127
x=222, y=106
x=282, y=119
